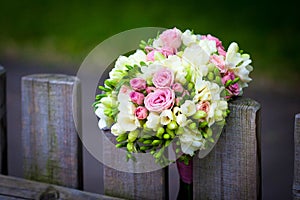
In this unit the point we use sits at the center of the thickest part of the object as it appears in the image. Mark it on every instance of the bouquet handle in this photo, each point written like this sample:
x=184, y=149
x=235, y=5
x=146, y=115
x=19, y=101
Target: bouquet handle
x=186, y=180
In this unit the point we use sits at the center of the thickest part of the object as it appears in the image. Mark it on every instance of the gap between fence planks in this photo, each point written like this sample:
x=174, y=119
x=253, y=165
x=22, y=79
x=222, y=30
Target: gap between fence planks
x=3, y=127
x=52, y=150
x=232, y=170
x=296, y=183
x=17, y=189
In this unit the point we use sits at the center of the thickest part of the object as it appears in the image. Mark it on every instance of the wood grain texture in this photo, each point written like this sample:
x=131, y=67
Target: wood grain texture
x=3, y=127
x=52, y=150
x=296, y=183
x=150, y=185
x=15, y=189
x=232, y=170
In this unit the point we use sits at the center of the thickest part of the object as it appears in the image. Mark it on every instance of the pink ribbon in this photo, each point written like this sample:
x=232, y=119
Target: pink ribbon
x=185, y=171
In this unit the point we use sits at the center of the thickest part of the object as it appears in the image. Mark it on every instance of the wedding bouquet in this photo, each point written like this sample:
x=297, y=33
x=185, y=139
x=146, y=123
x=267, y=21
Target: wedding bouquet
x=174, y=89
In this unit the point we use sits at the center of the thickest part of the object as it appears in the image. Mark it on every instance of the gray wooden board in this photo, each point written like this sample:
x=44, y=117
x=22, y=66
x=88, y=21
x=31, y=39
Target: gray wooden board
x=149, y=185
x=232, y=170
x=3, y=127
x=296, y=183
x=16, y=188
x=52, y=151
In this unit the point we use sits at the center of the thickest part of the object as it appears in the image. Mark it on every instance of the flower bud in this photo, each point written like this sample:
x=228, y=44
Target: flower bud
x=160, y=132
x=156, y=142
x=172, y=125
x=122, y=137
x=133, y=135
x=193, y=125
x=199, y=114
x=130, y=147
x=170, y=132
x=190, y=86
x=210, y=76
x=218, y=80
x=144, y=148
x=120, y=145
x=166, y=136
x=147, y=142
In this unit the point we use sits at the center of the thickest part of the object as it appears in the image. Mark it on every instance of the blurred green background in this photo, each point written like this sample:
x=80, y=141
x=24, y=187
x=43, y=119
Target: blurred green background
x=64, y=32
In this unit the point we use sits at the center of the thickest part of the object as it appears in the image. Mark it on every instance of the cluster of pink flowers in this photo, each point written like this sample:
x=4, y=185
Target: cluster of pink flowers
x=170, y=42
x=155, y=98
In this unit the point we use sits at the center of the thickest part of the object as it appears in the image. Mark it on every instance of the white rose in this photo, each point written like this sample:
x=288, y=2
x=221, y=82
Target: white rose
x=166, y=117
x=188, y=108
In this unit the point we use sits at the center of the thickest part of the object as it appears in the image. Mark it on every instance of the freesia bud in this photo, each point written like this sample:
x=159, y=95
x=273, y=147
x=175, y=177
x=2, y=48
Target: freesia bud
x=133, y=135
x=199, y=114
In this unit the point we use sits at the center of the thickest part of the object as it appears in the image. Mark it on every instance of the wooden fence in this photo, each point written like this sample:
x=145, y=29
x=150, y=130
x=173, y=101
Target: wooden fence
x=53, y=152
x=296, y=184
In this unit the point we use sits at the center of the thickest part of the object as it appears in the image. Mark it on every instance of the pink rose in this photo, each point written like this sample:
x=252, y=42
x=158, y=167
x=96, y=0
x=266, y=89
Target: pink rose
x=163, y=78
x=138, y=84
x=171, y=38
x=233, y=89
x=141, y=112
x=219, y=62
x=164, y=51
x=177, y=87
x=150, y=89
x=159, y=100
x=136, y=97
x=219, y=45
x=204, y=106
x=228, y=76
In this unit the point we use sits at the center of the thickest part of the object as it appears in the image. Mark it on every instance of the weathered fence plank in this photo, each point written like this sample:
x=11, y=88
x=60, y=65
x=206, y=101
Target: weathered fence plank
x=52, y=150
x=17, y=189
x=3, y=133
x=296, y=183
x=148, y=185
x=232, y=170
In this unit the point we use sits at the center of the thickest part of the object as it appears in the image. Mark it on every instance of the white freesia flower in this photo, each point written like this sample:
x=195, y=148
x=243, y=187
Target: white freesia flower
x=137, y=57
x=104, y=121
x=128, y=122
x=157, y=43
x=191, y=141
x=121, y=63
x=181, y=119
x=206, y=91
x=216, y=110
x=149, y=71
x=209, y=46
x=166, y=117
x=239, y=64
x=188, y=38
x=153, y=121
x=116, y=129
x=188, y=108
x=198, y=58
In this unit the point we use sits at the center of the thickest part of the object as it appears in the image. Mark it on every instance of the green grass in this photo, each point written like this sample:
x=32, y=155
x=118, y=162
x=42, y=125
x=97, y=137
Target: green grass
x=63, y=30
